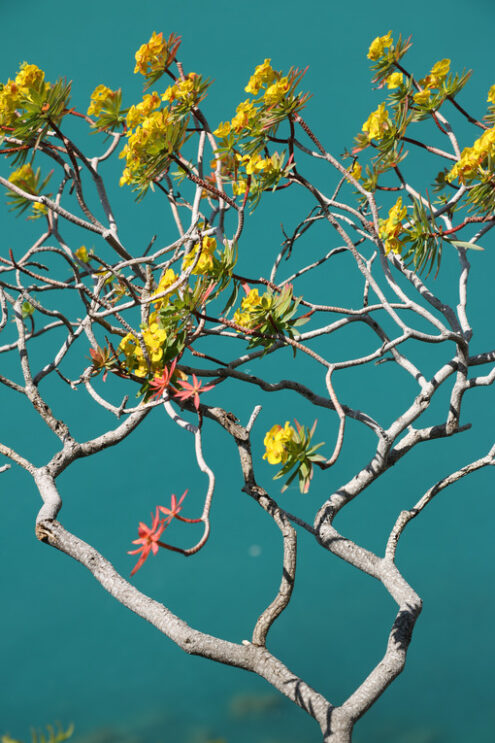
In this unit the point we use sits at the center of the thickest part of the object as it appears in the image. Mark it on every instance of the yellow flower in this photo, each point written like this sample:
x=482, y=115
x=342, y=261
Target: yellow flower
x=184, y=91
x=154, y=338
x=10, y=100
x=491, y=95
x=422, y=97
x=253, y=163
x=246, y=315
x=239, y=187
x=25, y=178
x=40, y=208
x=391, y=227
x=276, y=92
x=276, y=441
x=82, y=254
x=151, y=57
x=245, y=114
x=138, y=113
x=356, y=171
x=263, y=75
x=378, y=46
x=100, y=97
x=205, y=262
x=151, y=138
x=168, y=278
x=29, y=77
x=468, y=167
x=394, y=80
x=438, y=73
x=223, y=129
x=377, y=123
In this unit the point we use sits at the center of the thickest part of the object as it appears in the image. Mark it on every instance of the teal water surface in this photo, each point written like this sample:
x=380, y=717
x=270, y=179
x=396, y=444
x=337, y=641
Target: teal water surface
x=69, y=652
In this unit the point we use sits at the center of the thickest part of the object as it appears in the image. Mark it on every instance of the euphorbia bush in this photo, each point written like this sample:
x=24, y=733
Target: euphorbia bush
x=143, y=317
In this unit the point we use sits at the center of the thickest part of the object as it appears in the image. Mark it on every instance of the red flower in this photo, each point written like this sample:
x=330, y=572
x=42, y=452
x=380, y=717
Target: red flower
x=160, y=384
x=192, y=390
x=148, y=539
x=175, y=507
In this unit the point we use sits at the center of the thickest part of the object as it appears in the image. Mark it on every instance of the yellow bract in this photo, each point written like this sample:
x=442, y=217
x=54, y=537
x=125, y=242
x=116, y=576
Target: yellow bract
x=25, y=178
x=276, y=92
x=153, y=338
x=30, y=77
x=223, y=129
x=491, y=95
x=468, y=167
x=205, y=261
x=378, y=46
x=100, y=97
x=356, y=171
x=377, y=123
x=263, y=75
x=82, y=254
x=151, y=57
x=184, y=91
x=168, y=278
x=245, y=115
x=423, y=96
x=10, y=99
x=391, y=227
x=249, y=305
x=149, y=139
x=276, y=441
x=394, y=80
x=139, y=112
x=437, y=74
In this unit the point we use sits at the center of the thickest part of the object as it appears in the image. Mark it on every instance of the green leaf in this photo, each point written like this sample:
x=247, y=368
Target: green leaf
x=465, y=245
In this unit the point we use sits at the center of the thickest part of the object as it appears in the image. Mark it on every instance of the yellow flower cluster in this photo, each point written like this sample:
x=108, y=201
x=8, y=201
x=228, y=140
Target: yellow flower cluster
x=250, y=306
x=472, y=158
x=151, y=57
x=377, y=123
x=147, y=140
x=184, y=91
x=432, y=81
x=276, y=441
x=205, y=262
x=256, y=164
x=245, y=116
x=82, y=254
x=140, y=111
x=153, y=337
x=100, y=98
x=28, y=79
x=391, y=227
x=263, y=75
x=356, y=171
x=491, y=95
x=394, y=80
x=223, y=129
x=27, y=179
x=166, y=281
x=277, y=92
x=378, y=46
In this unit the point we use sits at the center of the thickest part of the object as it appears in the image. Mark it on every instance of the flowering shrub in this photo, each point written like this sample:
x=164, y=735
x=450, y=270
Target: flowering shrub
x=176, y=321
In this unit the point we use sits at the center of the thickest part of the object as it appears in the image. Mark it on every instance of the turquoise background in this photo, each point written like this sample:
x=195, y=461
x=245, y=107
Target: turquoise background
x=68, y=651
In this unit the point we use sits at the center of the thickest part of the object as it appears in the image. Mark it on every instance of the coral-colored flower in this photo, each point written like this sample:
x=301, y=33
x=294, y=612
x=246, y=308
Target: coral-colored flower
x=148, y=540
x=161, y=383
x=192, y=390
x=175, y=507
